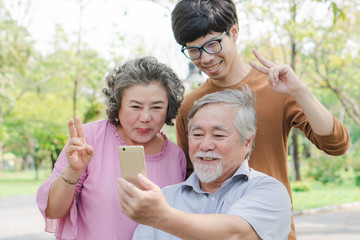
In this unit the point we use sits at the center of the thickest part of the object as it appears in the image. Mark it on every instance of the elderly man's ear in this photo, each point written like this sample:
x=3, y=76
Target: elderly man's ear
x=248, y=142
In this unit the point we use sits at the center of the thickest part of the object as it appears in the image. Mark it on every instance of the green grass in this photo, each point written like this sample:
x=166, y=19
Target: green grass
x=324, y=195
x=23, y=182
x=18, y=183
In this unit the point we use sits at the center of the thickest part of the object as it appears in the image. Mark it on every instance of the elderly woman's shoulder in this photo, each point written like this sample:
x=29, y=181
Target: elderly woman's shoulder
x=97, y=125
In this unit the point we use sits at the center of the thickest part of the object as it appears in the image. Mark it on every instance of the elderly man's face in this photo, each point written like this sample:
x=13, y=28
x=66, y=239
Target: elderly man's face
x=215, y=147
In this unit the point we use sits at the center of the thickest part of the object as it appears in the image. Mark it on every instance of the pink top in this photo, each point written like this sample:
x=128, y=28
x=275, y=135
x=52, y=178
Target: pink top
x=95, y=212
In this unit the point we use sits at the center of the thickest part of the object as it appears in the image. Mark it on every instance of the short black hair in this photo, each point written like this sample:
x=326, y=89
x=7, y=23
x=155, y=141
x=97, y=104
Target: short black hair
x=192, y=19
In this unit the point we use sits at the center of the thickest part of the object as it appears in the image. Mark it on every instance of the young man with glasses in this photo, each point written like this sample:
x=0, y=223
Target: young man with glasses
x=208, y=31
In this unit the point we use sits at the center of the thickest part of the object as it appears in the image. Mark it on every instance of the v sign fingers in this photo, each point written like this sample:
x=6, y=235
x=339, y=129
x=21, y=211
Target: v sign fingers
x=79, y=127
x=72, y=129
x=78, y=153
x=261, y=69
x=266, y=63
x=74, y=132
x=282, y=78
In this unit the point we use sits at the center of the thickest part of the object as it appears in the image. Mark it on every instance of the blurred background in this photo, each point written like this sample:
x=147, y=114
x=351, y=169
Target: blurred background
x=55, y=54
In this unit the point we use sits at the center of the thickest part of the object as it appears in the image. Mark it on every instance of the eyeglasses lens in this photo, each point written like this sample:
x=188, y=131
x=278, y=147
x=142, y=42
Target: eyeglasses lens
x=211, y=47
x=192, y=53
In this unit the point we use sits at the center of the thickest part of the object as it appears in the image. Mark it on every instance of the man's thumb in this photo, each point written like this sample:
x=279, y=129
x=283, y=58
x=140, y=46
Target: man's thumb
x=146, y=183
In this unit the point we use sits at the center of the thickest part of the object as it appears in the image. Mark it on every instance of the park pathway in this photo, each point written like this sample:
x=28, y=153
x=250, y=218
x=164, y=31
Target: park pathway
x=342, y=223
x=20, y=219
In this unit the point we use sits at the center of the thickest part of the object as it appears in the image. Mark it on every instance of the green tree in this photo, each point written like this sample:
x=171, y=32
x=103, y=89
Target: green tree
x=291, y=32
x=40, y=94
x=16, y=51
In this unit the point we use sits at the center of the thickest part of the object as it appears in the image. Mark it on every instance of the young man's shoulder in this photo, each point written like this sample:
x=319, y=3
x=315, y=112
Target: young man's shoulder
x=197, y=93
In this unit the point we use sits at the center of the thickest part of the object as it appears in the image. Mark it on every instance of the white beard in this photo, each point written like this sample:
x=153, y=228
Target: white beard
x=207, y=172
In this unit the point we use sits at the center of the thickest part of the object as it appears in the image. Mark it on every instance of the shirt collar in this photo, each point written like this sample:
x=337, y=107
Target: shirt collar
x=193, y=181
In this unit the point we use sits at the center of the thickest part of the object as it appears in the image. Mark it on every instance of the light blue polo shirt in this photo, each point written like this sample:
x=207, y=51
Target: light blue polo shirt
x=258, y=198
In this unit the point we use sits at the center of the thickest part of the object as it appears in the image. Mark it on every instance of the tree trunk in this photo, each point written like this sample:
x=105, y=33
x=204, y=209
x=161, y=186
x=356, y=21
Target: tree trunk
x=78, y=50
x=76, y=83
x=295, y=134
x=296, y=154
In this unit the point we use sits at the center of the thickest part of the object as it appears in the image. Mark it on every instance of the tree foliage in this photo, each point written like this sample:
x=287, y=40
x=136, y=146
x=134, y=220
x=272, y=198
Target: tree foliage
x=40, y=92
x=321, y=37
x=36, y=91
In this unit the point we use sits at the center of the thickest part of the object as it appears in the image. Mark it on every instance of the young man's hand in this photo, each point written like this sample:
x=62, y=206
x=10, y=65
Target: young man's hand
x=282, y=78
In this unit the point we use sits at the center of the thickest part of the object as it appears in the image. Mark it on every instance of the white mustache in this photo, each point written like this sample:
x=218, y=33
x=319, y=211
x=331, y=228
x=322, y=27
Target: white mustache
x=207, y=155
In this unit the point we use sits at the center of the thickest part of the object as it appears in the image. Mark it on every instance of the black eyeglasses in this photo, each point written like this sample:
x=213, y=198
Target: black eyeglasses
x=211, y=47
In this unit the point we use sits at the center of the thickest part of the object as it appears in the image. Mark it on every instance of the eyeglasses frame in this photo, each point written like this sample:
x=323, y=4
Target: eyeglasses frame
x=183, y=48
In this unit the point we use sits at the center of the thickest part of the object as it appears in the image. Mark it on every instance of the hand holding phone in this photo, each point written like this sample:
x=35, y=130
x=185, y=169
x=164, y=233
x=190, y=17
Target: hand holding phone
x=132, y=162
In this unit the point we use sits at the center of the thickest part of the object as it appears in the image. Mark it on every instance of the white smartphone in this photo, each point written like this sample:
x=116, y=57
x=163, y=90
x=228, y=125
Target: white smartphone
x=132, y=162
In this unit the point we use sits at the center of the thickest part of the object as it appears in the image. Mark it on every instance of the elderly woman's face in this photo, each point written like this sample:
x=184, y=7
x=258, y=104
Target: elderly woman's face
x=143, y=112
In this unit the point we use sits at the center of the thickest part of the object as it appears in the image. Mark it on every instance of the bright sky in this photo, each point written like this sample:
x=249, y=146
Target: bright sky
x=145, y=23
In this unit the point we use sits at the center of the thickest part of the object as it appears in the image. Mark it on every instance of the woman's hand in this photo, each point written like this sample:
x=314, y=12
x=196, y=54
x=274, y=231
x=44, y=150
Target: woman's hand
x=78, y=153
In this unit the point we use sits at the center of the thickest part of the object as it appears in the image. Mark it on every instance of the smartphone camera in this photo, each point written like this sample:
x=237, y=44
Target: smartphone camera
x=124, y=149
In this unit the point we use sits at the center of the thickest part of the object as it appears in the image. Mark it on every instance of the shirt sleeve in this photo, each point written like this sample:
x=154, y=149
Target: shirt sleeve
x=181, y=130
x=144, y=232
x=337, y=143
x=334, y=144
x=182, y=138
x=66, y=227
x=266, y=207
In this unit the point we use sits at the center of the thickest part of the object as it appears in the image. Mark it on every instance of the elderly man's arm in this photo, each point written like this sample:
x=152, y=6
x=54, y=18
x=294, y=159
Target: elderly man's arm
x=207, y=226
x=150, y=208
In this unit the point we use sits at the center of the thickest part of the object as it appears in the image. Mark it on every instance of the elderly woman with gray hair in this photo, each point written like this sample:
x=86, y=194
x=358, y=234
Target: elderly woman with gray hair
x=80, y=199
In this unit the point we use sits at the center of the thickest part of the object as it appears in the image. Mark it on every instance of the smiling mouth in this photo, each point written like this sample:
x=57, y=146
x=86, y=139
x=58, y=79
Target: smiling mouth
x=213, y=67
x=208, y=158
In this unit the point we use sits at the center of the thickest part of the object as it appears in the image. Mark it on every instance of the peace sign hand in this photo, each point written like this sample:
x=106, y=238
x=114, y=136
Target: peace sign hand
x=78, y=153
x=282, y=78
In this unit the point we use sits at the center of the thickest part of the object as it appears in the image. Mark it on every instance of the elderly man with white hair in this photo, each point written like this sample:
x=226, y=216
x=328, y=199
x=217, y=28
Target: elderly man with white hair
x=224, y=198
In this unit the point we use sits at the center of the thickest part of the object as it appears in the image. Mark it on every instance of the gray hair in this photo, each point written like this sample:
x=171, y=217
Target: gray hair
x=243, y=100
x=142, y=70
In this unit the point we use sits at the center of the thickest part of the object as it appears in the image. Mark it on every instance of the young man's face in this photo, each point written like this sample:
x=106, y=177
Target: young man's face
x=216, y=66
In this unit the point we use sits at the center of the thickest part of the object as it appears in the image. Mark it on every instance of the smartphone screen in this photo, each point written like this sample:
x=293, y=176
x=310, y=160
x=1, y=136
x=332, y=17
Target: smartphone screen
x=132, y=162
